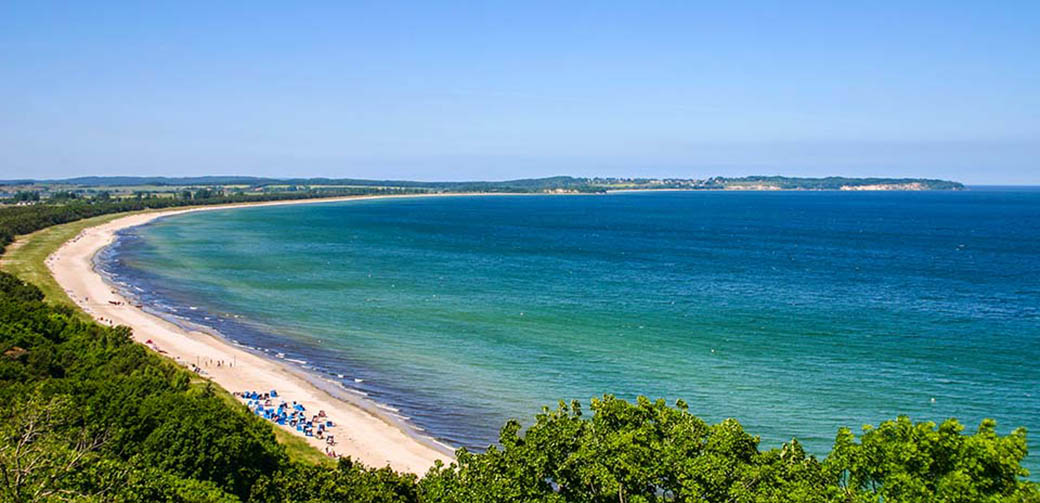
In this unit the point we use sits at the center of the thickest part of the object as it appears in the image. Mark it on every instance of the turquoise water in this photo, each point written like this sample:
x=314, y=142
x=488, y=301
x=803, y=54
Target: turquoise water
x=795, y=312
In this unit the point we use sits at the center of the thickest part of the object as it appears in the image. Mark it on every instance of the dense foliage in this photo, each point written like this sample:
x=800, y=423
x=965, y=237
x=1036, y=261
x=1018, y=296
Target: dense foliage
x=84, y=411
x=648, y=451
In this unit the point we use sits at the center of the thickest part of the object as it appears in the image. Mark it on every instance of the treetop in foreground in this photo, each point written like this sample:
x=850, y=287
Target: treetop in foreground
x=648, y=451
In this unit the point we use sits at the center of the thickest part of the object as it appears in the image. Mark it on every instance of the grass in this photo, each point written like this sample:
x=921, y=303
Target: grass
x=26, y=259
x=297, y=448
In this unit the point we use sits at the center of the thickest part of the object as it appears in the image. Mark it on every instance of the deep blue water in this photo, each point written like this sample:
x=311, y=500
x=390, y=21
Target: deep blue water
x=795, y=312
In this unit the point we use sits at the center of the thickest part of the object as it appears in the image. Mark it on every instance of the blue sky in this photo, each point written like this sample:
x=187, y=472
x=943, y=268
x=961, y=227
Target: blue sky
x=496, y=90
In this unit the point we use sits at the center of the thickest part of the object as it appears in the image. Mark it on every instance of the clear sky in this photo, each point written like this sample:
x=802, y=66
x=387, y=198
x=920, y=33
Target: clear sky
x=496, y=90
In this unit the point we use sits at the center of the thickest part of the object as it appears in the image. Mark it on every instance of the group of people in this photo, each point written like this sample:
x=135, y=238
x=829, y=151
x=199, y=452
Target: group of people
x=293, y=415
x=205, y=361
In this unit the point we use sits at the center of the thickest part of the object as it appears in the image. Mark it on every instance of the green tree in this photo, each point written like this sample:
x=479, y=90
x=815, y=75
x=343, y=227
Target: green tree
x=920, y=462
x=63, y=195
x=647, y=451
x=638, y=452
x=26, y=196
x=348, y=481
x=42, y=446
x=195, y=437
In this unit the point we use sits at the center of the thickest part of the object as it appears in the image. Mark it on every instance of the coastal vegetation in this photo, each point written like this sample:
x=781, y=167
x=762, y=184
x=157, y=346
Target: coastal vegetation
x=205, y=188
x=28, y=260
x=88, y=415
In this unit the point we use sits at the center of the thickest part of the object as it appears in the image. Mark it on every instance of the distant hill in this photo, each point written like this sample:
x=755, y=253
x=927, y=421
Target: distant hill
x=550, y=184
x=114, y=181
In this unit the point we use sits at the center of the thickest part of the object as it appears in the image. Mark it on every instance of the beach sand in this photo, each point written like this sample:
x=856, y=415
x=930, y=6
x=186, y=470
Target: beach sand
x=362, y=433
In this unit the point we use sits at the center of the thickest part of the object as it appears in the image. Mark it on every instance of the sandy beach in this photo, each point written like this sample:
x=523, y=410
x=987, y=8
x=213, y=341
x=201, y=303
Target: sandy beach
x=363, y=434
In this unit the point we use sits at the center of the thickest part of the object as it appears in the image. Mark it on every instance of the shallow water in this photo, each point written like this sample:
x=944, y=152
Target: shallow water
x=795, y=312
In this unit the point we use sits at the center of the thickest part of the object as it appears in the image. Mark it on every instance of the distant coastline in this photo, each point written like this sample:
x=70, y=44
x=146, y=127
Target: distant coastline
x=28, y=191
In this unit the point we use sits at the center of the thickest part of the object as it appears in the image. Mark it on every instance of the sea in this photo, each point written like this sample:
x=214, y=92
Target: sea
x=796, y=313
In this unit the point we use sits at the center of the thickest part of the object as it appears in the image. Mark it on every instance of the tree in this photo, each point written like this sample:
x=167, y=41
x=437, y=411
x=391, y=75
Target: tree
x=918, y=462
x=348, y=481
x=647, y=451
x=26, y=196
x=195, y=436
x=626, y=452
x=63, y=195
x=42, y=446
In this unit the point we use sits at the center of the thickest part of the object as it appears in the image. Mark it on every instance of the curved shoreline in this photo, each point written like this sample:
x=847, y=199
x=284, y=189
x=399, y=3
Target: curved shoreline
x=363, y=432
x=317, y=376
